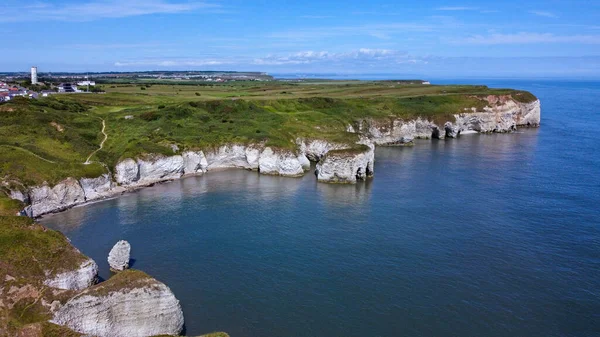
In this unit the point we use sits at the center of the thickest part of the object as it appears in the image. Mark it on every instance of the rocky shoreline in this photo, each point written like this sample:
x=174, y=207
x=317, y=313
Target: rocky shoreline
x=336, y=162
x=61, y=288
x=47, y=285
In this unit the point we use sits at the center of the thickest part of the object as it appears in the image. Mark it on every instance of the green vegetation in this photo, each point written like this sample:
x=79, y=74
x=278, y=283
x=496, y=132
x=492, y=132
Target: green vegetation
x=53, y=330
x=49, y=139
x=9, y=206
x=29, y=254
x=29, y=250
x=122, y=281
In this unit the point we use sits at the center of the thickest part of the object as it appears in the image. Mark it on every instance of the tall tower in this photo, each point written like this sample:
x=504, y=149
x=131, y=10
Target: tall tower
x=34, y=75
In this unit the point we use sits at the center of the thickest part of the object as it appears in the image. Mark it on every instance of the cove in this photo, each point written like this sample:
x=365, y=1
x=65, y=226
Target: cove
x=489, y=235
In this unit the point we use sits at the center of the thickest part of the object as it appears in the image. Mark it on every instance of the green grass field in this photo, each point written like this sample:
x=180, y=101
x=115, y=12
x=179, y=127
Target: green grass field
x=49, y=139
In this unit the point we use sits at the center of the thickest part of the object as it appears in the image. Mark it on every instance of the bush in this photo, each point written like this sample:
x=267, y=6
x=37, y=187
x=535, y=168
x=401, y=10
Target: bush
x=150, y=116
x=198, y=94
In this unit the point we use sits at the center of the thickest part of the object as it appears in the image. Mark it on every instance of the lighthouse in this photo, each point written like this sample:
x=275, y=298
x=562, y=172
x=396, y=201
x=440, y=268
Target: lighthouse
x=34, y=75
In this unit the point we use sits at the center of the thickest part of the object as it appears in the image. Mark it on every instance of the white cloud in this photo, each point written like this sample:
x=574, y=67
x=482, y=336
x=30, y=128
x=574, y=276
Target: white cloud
x=99, y=9
x=102, y=46
x=362, y=56
x=545, y=14
x=381, y=31
x=527, y=38
x=171, y=63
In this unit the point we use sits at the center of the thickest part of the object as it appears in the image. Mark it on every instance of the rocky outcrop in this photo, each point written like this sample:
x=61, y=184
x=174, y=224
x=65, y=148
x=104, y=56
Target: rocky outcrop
x=159, y=168
x=451, y=130
x=118, y=258
x=194, y=162
x=45, y=199
x=233, y=156
x=129, y=304
x=397, y=131
x=502, y=114
x=127, y=172
x=94, y=188
x=346, y=166
x=83, y=277
x=315, y=149
x=285, y=163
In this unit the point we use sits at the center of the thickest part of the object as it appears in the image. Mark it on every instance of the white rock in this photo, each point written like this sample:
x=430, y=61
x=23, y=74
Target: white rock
x=138, y=308
x=504, y=115
x=230, y=156
x=399, y=131
x=252, y=157
x=194, y=162
x=118, y=258
x=304, y=162
x=160, y=168
x=63, y=195
x=127, y=172
x=452, y=131
x=83, y=277
x=94, y=188
x=315, y=149
x=282, y=162
x=345, y=166
x=19, y=195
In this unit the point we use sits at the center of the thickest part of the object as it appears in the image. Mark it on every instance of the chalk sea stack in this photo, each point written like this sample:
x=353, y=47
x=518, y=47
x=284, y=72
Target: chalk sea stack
x=118, y=258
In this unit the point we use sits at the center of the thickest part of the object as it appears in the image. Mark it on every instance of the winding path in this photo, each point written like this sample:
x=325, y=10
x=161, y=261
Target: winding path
x=87, y=161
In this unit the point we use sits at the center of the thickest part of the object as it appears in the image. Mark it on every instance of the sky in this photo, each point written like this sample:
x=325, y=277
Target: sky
x=456, y=38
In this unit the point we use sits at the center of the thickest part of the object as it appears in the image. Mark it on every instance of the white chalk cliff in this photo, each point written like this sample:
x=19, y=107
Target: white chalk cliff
x=346, y=166
x=78, y=279
x=130, y=304
x=118, y=258
x=501, y=114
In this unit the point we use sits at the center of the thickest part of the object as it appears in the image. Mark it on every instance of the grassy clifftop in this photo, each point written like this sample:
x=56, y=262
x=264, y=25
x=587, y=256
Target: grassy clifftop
x=29, y=254
x=49, y=139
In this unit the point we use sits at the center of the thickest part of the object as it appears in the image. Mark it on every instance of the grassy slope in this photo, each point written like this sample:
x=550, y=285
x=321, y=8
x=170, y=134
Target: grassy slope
x=49, y=139
x=27, y=252
x=30, y=250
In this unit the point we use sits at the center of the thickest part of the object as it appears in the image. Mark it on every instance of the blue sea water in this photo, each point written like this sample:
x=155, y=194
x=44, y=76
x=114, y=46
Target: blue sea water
x=485, y=235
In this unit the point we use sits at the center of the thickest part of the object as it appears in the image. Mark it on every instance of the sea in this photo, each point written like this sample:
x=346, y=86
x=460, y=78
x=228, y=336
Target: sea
x=484, y=235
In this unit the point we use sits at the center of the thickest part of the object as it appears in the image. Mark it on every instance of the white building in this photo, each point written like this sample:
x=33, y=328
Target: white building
x=86, y=82
x=34, y=75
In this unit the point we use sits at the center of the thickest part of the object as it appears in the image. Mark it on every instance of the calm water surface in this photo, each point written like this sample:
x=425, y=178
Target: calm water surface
x=486, y=235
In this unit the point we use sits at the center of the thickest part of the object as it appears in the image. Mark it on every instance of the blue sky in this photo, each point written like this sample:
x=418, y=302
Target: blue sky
x=552, y=38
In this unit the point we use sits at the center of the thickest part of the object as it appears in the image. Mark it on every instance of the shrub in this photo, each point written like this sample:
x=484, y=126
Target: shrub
x=150, y=116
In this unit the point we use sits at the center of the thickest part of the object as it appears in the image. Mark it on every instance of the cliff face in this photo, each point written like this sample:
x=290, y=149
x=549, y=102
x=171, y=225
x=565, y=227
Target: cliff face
x=44, y=277
x=503, y=115
x=500, y=114
x=346, y=166
x=129, y=304
x=77, y=279
x=46, y=199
